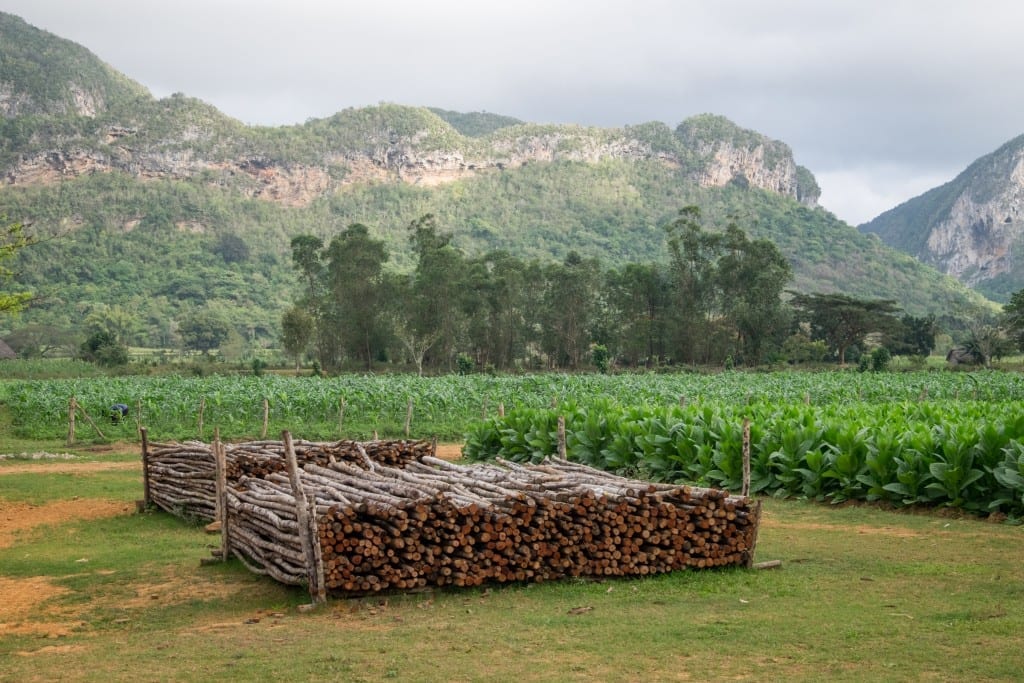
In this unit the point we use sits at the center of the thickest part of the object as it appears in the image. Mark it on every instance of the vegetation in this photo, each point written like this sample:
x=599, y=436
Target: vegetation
x=863, y=594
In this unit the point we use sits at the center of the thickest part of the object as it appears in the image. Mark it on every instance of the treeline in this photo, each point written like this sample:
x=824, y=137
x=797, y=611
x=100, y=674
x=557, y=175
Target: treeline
x=719, y=299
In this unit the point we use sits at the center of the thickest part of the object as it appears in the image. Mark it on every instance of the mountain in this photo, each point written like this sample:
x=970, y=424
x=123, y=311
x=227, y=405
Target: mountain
x=972, y=227
x=164, y=205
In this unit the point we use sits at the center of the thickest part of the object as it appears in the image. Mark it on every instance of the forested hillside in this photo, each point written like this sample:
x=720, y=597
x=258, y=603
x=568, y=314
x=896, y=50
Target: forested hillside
x=153, y=212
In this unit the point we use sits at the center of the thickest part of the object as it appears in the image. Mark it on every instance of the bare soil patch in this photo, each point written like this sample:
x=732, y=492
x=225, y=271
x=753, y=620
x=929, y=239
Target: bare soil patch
x=18, y=517
x=69, y=467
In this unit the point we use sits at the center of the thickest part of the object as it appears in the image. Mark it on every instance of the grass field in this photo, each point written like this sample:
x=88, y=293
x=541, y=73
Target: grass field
x=93, y=591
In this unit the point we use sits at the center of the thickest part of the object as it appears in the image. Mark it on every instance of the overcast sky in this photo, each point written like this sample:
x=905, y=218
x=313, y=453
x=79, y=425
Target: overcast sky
x=881, y=100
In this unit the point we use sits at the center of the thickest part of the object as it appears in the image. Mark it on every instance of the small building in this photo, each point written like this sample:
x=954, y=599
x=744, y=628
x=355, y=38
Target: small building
x=6, y=351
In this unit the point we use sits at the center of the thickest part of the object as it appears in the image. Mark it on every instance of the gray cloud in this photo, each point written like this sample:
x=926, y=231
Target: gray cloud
x=876, y=98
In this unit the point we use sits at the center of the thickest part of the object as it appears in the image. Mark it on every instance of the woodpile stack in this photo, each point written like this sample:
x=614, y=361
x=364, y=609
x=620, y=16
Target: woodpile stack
x=181, y=475
x=340, y=520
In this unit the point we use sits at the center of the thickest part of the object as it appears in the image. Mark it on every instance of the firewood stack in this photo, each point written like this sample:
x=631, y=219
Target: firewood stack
x=439, y=524
x=182, y=474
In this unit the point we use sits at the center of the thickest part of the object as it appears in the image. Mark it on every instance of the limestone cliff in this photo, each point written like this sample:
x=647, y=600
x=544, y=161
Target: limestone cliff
x=972, y=227
x=422, y=157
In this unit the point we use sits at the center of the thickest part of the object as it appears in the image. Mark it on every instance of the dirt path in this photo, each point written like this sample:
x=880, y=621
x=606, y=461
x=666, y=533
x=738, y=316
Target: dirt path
x=68, y=467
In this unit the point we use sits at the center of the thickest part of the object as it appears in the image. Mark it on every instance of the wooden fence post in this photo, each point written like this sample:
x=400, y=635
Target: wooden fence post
x=266, y=417
x=562, y=451
x=746, y=456
x=89, y=419
x=314, y=572
x=147, y=498
x=408, y=419
x=71, y=420
x=202, y=407
x=341, y=414
x=221, y=492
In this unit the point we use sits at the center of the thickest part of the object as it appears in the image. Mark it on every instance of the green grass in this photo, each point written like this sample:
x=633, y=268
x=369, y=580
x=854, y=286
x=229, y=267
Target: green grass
x=863, y=594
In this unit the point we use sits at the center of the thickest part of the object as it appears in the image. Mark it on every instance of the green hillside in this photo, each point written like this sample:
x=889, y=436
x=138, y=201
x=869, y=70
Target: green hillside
x=164, y=206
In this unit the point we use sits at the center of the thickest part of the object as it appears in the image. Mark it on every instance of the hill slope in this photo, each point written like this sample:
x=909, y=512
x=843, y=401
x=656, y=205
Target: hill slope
x=153, y=196
x=972, y=227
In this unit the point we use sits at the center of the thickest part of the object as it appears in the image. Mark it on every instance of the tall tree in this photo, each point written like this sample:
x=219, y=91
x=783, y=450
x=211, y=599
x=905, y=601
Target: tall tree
x=842, y=321
x=297, y=329
x=638, y=298
x=753, y=275
x=438, y=296
x=570, y=306
x=693, y=256
x=12, y=239
x=1013, y=319
x=355, y=267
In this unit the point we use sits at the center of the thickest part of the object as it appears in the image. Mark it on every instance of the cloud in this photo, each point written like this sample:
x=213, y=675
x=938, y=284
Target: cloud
x=854, y=88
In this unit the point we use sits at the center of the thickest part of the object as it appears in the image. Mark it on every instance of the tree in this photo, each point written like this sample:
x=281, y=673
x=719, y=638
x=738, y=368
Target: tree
x=693, y=255
x=638, y=300
x=752, y=277
x=1013, y=319
x=102, y=348
x=438, y=297
x=297, y=327
x=570, y=307
x=232, y=248
x=354, y=311
x=204, y=330
x=915, y=336
x=842, y=321
x=12, y=239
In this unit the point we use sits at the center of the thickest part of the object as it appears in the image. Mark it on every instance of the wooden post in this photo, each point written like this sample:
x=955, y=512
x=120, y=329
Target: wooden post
x=266, y=417
x=320, y=596
x=682, y=401
x=807, y=398
x=202, y=407
x=302, y=516
x=71, y=420
x=89, y=420
x=561, y=438
x=753, y=541
x=221, y=491
x=408, y=419
x=501, y=410
x=147, y=498
x=138, y=416
x=341, y=414
x=746, y=456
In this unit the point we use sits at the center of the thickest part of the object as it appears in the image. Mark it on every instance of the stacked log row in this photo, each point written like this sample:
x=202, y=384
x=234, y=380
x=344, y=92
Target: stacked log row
x=181, y=475
x=437, y=524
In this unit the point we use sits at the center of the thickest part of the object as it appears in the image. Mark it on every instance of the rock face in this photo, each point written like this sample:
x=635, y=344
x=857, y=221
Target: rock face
x=971, y=228
x=763, y=164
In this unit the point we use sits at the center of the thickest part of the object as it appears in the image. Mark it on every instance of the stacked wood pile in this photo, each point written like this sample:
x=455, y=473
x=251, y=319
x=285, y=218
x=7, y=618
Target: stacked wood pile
x=358, y=524
x=436, y=524
x=181, y=475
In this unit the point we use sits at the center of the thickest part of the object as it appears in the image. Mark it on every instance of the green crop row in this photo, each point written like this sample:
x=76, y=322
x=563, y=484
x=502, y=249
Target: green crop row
x=968, y=455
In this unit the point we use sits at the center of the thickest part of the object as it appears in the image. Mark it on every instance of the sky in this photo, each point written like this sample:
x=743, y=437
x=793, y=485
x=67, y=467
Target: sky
x=880, y=100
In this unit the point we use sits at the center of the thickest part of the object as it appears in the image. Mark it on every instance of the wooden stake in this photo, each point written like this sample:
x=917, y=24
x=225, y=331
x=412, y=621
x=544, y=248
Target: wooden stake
x=146, y=495
x=266, y=418
x=138, y=416
x=561, y=437
x=341, y=414
x=746, y=457
x=202, y=407
x=221, y=488
x=753, y=541
x=89, y=419
x=408, y=419
x=71, y=420
x=501, y=410
x=302, y=516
